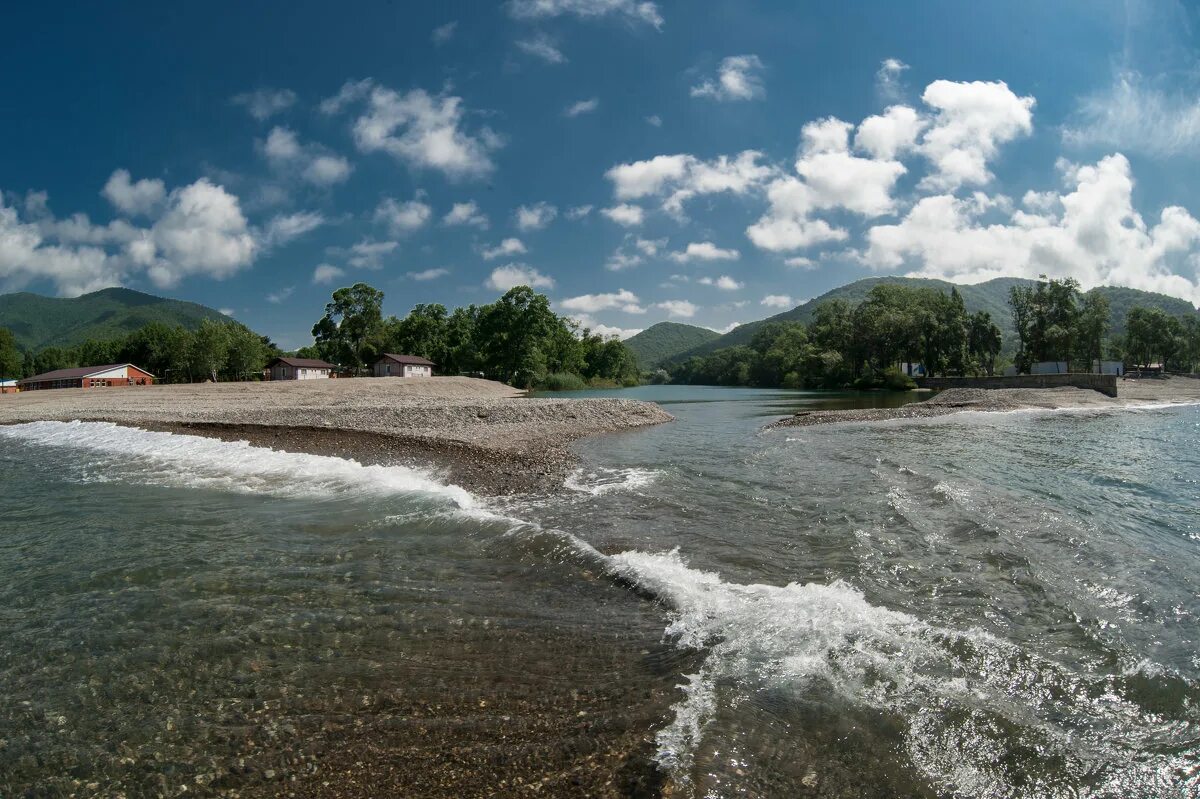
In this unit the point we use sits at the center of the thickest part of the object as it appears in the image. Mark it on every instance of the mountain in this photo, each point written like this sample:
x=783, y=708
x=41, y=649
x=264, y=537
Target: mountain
x=991, y=296
x=38, y=321
x=664, y=340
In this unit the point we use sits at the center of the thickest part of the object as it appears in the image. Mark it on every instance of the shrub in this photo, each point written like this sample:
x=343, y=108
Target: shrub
x=562, y=381
x=895, y=380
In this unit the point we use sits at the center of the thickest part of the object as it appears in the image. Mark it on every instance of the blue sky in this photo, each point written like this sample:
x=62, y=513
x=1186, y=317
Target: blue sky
x=705, y=162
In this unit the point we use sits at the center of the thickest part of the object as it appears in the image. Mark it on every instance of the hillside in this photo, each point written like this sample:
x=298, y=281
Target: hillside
x=38, y=321
x=665, y=340
x=991, y=296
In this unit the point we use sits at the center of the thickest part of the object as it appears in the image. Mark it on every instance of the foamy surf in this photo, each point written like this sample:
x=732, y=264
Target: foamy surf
x=605, y=480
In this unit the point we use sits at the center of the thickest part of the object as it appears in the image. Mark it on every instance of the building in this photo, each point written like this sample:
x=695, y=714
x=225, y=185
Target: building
x=8, y=387
x=390, y=365
x=300, y=369
x=1108, y=367
x=110, y=376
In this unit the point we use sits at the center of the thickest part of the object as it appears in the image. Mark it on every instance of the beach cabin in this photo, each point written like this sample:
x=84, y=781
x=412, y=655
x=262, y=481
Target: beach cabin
x=300, y=369
x=390, y=365
x=1050, y=368
x=8, y=387
x=113, y=375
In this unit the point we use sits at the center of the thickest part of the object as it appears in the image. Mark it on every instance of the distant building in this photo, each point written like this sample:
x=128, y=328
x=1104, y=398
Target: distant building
x=299, y=369
x=111, y=376
x=1108, y=367
x=1050, y=368
x=913, y=369
x=8, y=387
x=390, y=365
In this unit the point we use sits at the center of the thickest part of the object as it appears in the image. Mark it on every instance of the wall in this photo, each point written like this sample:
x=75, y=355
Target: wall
x=1105, y=384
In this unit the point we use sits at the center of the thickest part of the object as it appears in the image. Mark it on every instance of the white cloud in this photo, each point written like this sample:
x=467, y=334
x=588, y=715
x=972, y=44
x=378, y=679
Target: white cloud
x=972, y=120
x=262, y=104
x=508, y=247
x=326, y=273
x=837, y=179
x=510, y=276
x=650, y=247
x=1097, y=238
x=225, y=311
x=368, y=254
x=727, y=328
x=887, y=79
x=800, y=262
x=620, y=300
x=444, y=33
x=681, y=309
x=284, y=228
x=423, y=131
x=738, y=78
x=724, y=282
x=352, y=91
x=582, y=107
x=682, y=177
x=310, y=162
x=428, y=274
x=542, y=47
x=578, y=212
x=142, y=197
x=202, y=232
x=625, y=214
x=1134, y=115
x=466, y=215
x=402, y=218
x=634, y=11
x=777, y=301
x=282, y=145
x=891, y=134
x=326, y=170
x=535, y=217
x=787, y=225
x=622, y=259
x=600, y=329
x=704, y=251
x=277, y=297
x=654, y=120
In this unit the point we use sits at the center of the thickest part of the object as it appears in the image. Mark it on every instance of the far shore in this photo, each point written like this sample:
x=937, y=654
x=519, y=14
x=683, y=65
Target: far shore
x=1130, y=393
x=487, y=436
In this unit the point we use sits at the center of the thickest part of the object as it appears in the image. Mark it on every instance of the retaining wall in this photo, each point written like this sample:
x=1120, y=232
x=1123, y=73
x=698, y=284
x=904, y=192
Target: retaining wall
x=1105, y=384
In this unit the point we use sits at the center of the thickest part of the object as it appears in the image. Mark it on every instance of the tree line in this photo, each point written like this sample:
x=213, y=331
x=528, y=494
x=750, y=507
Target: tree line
x=517, y=340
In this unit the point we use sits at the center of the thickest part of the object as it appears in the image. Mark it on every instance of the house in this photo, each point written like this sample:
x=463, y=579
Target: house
x=1050, y=368
x=8, y=387
x=109, y=376
x=390, y=365
x=300, y=369
x=1108, y=367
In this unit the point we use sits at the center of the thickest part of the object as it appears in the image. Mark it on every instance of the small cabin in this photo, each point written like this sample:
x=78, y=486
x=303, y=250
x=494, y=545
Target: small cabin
x=113, y=375
x=300, y=369
x=391, y=365
x=8, y=387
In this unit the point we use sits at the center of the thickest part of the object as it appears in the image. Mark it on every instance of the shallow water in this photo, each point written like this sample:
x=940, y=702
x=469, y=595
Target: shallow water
x=996, y=605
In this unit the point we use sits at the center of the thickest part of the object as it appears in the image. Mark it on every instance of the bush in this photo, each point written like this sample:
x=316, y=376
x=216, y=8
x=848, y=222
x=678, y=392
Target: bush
x=895, y=380
x=562, y=381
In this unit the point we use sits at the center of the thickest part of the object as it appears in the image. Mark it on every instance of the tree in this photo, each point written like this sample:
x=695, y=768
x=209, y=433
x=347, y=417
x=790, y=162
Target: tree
x=247, y=352
x=1046, y=318
x=1091, y=329
x=208, y=349
x=11, y=358
x=511, y=332
x=353, y=319
x=983, y=341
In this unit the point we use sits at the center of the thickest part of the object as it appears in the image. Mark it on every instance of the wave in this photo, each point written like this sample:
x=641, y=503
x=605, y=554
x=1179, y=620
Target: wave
x=605, y=480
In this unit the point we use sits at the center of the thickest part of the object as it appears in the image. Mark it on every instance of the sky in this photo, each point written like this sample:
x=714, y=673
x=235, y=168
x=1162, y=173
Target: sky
x=636, y=160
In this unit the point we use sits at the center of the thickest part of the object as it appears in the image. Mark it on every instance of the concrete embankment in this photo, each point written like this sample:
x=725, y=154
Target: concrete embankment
x=1105, y=384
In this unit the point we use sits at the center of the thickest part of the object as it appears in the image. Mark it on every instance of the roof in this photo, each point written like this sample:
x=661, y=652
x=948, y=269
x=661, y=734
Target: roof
x=78, y=372
x=303, y=363
x=4, y=381
x=415, y=360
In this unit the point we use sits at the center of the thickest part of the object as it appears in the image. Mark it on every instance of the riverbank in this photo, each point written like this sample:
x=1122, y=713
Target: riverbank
x=1130, y=393
x=484, y=435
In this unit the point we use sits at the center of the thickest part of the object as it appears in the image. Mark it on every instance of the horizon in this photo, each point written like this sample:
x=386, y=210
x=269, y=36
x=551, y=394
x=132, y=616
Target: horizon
x=732, y=163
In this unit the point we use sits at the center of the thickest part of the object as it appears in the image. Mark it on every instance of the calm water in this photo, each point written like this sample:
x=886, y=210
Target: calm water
x=998, y=605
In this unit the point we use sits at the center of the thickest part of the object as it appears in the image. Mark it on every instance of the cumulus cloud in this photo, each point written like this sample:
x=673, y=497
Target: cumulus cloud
x=724, y=282
x=838, y=179
x=621, y=300
x=284, y=228
x=787, y=225
x=582, y=107
x=681, y=177
x=202, y=232
x=506, y=248
x=142, y=197
x=681, y=309
x=777, y=301
x=326, y=170
x=311, y=163
x=971, y=120
x=428, y=274
x=535, y=217
x=633, y=11
x=542, y=47
x=402, y=218
x=890, y=134
x=421, y=130
x=704, y=251
x=1097, y=237
x=510, y=276
x=585, y=321
x=368, y=254
x=1137, y=116
x=444, y=33
x=625, y=214
x=352, y=91
x=887, y=78
x=654, y=121
x=277, y=297
x=466, y=215
x=800, y=262
x=578, y=212
x=262, y=104
x=739, y=77
x=326, y=273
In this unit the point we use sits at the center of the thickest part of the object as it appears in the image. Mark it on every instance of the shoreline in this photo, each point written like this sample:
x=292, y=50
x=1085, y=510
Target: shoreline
x=1131, y=393
x=484, y=436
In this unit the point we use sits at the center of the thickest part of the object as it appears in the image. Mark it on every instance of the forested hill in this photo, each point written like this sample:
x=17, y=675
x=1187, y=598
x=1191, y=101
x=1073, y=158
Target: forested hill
x=665, y=340
x=991, y=296
x=38, y=321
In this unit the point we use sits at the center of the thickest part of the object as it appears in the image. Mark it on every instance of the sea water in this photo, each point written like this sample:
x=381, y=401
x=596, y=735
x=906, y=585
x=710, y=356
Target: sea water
x=979, y=605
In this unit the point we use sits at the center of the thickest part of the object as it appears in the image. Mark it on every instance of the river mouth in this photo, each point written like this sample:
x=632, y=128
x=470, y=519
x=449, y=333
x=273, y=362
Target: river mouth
x=978, y=607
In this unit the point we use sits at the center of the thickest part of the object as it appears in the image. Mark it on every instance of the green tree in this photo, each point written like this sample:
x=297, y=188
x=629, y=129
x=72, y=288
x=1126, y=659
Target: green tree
x=511, y=333
x=208, y=350
x=353, y=320
x=12, y=360
x=247, y=353
x=983, y=341
x=1092, y=328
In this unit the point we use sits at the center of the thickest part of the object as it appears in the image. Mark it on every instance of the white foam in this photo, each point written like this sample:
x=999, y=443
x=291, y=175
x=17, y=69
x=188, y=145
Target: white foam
x=606, y=480
x=197, y=462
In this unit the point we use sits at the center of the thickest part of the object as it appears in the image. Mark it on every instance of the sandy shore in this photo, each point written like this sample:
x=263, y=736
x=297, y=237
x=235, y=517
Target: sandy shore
x=487, y=436
x=955, y=400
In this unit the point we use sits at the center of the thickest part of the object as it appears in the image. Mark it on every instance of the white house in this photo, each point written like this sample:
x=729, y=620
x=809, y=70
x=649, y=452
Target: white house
x=299, y=369
x=390, y=365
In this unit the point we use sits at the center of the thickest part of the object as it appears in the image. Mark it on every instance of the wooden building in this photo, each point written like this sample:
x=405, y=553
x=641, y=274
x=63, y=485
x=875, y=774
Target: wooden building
x=112, y=375
x=300, y=369
x=390, y=365
x=8, y=387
